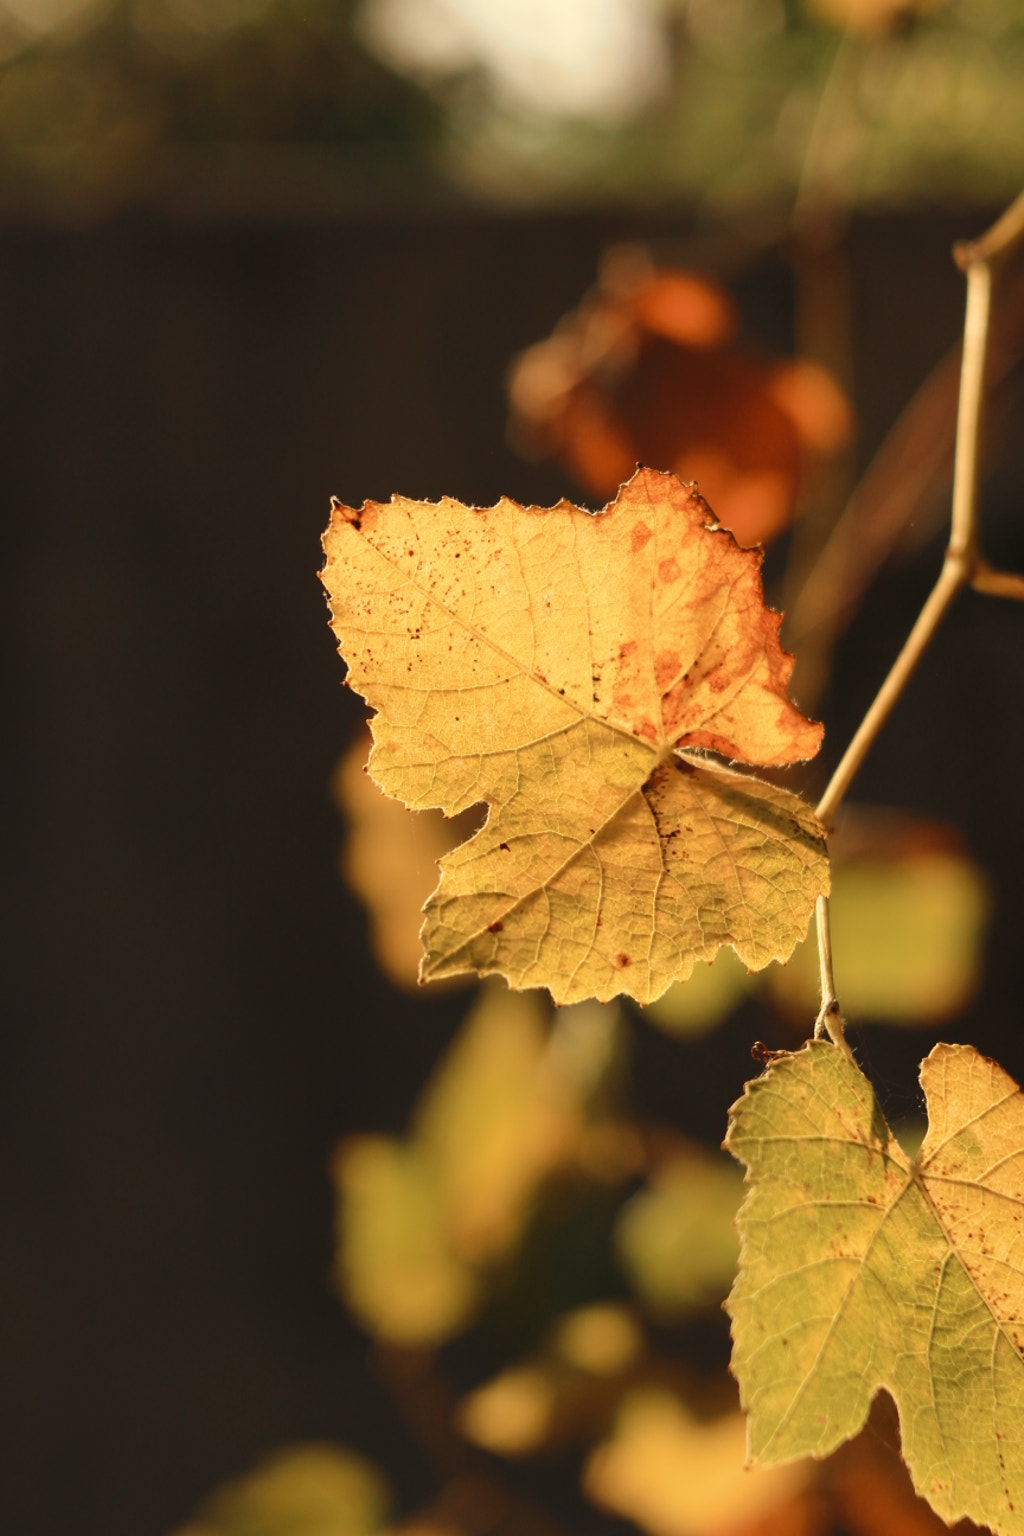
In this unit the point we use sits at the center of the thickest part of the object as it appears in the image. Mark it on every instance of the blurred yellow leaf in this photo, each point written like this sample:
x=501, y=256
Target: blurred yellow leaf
x=511, y=1415
x=712, y=992
x=311, y=1490
x=676, y=1238
x=389, y=860
x=496, y=1118
x=564, y=1393
x=509, y=669
x=395, y=1267
x=603, y=1339
x=871, y=16
x=420, y=1219
x=907, y=934
x=677, y=1477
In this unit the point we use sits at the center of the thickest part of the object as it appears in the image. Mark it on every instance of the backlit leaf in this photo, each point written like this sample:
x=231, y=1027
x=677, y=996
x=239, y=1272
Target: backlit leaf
x=565, y=668
x=861, y=1270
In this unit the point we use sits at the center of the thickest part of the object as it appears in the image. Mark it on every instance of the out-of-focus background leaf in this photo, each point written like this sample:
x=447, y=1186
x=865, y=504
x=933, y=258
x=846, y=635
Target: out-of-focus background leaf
x=314, y=1490
x=678, y=1477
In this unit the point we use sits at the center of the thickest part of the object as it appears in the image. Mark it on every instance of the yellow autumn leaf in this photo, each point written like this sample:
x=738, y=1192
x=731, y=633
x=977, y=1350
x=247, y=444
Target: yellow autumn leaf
x=862, y=1270
x=569, y=670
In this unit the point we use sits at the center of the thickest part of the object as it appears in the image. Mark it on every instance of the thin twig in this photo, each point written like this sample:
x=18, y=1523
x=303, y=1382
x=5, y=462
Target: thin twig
x=830, y=1018
x=963, y=529
x=962, y=566
x=997, y=583
x=961, y=556
x=953, y=577
x=997, y=242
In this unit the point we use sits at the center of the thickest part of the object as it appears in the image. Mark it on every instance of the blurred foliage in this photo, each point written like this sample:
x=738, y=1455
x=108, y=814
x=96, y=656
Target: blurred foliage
x=106, y=100
x=736, y=105
x=675, y=1237
x=643, y=371
x=310, y=1490
x=676, y=1477
x=909, y=927
x=389, y=859
x=422, y=1222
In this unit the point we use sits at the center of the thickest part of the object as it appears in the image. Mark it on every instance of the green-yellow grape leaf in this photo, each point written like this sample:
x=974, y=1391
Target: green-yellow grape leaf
x=569, y=670
x=862, y=1270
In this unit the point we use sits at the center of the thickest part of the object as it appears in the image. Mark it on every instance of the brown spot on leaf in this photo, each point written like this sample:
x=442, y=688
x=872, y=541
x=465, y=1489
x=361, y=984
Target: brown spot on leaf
x=668, y=570
x=495, y=927
x=640, y=537
x=622, y=961
x=666, y=668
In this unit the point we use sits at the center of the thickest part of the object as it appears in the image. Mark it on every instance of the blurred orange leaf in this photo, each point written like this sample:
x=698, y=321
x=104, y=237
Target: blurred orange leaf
x=639, y=373
x=564, y=668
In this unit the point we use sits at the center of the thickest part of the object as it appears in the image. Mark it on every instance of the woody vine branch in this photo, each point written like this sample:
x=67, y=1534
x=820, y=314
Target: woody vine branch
x=962, y=566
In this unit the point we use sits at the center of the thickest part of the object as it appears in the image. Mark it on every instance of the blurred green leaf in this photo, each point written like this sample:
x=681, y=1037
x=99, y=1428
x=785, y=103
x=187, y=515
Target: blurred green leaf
x=907, y=936
x=312, y=1490
x=676, y=1239
x=395, y=1267
x=695, y=1006
x=420, y=1220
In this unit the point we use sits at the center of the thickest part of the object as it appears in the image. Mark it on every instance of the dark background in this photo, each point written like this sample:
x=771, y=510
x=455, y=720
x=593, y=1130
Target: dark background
x=192, y=1018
